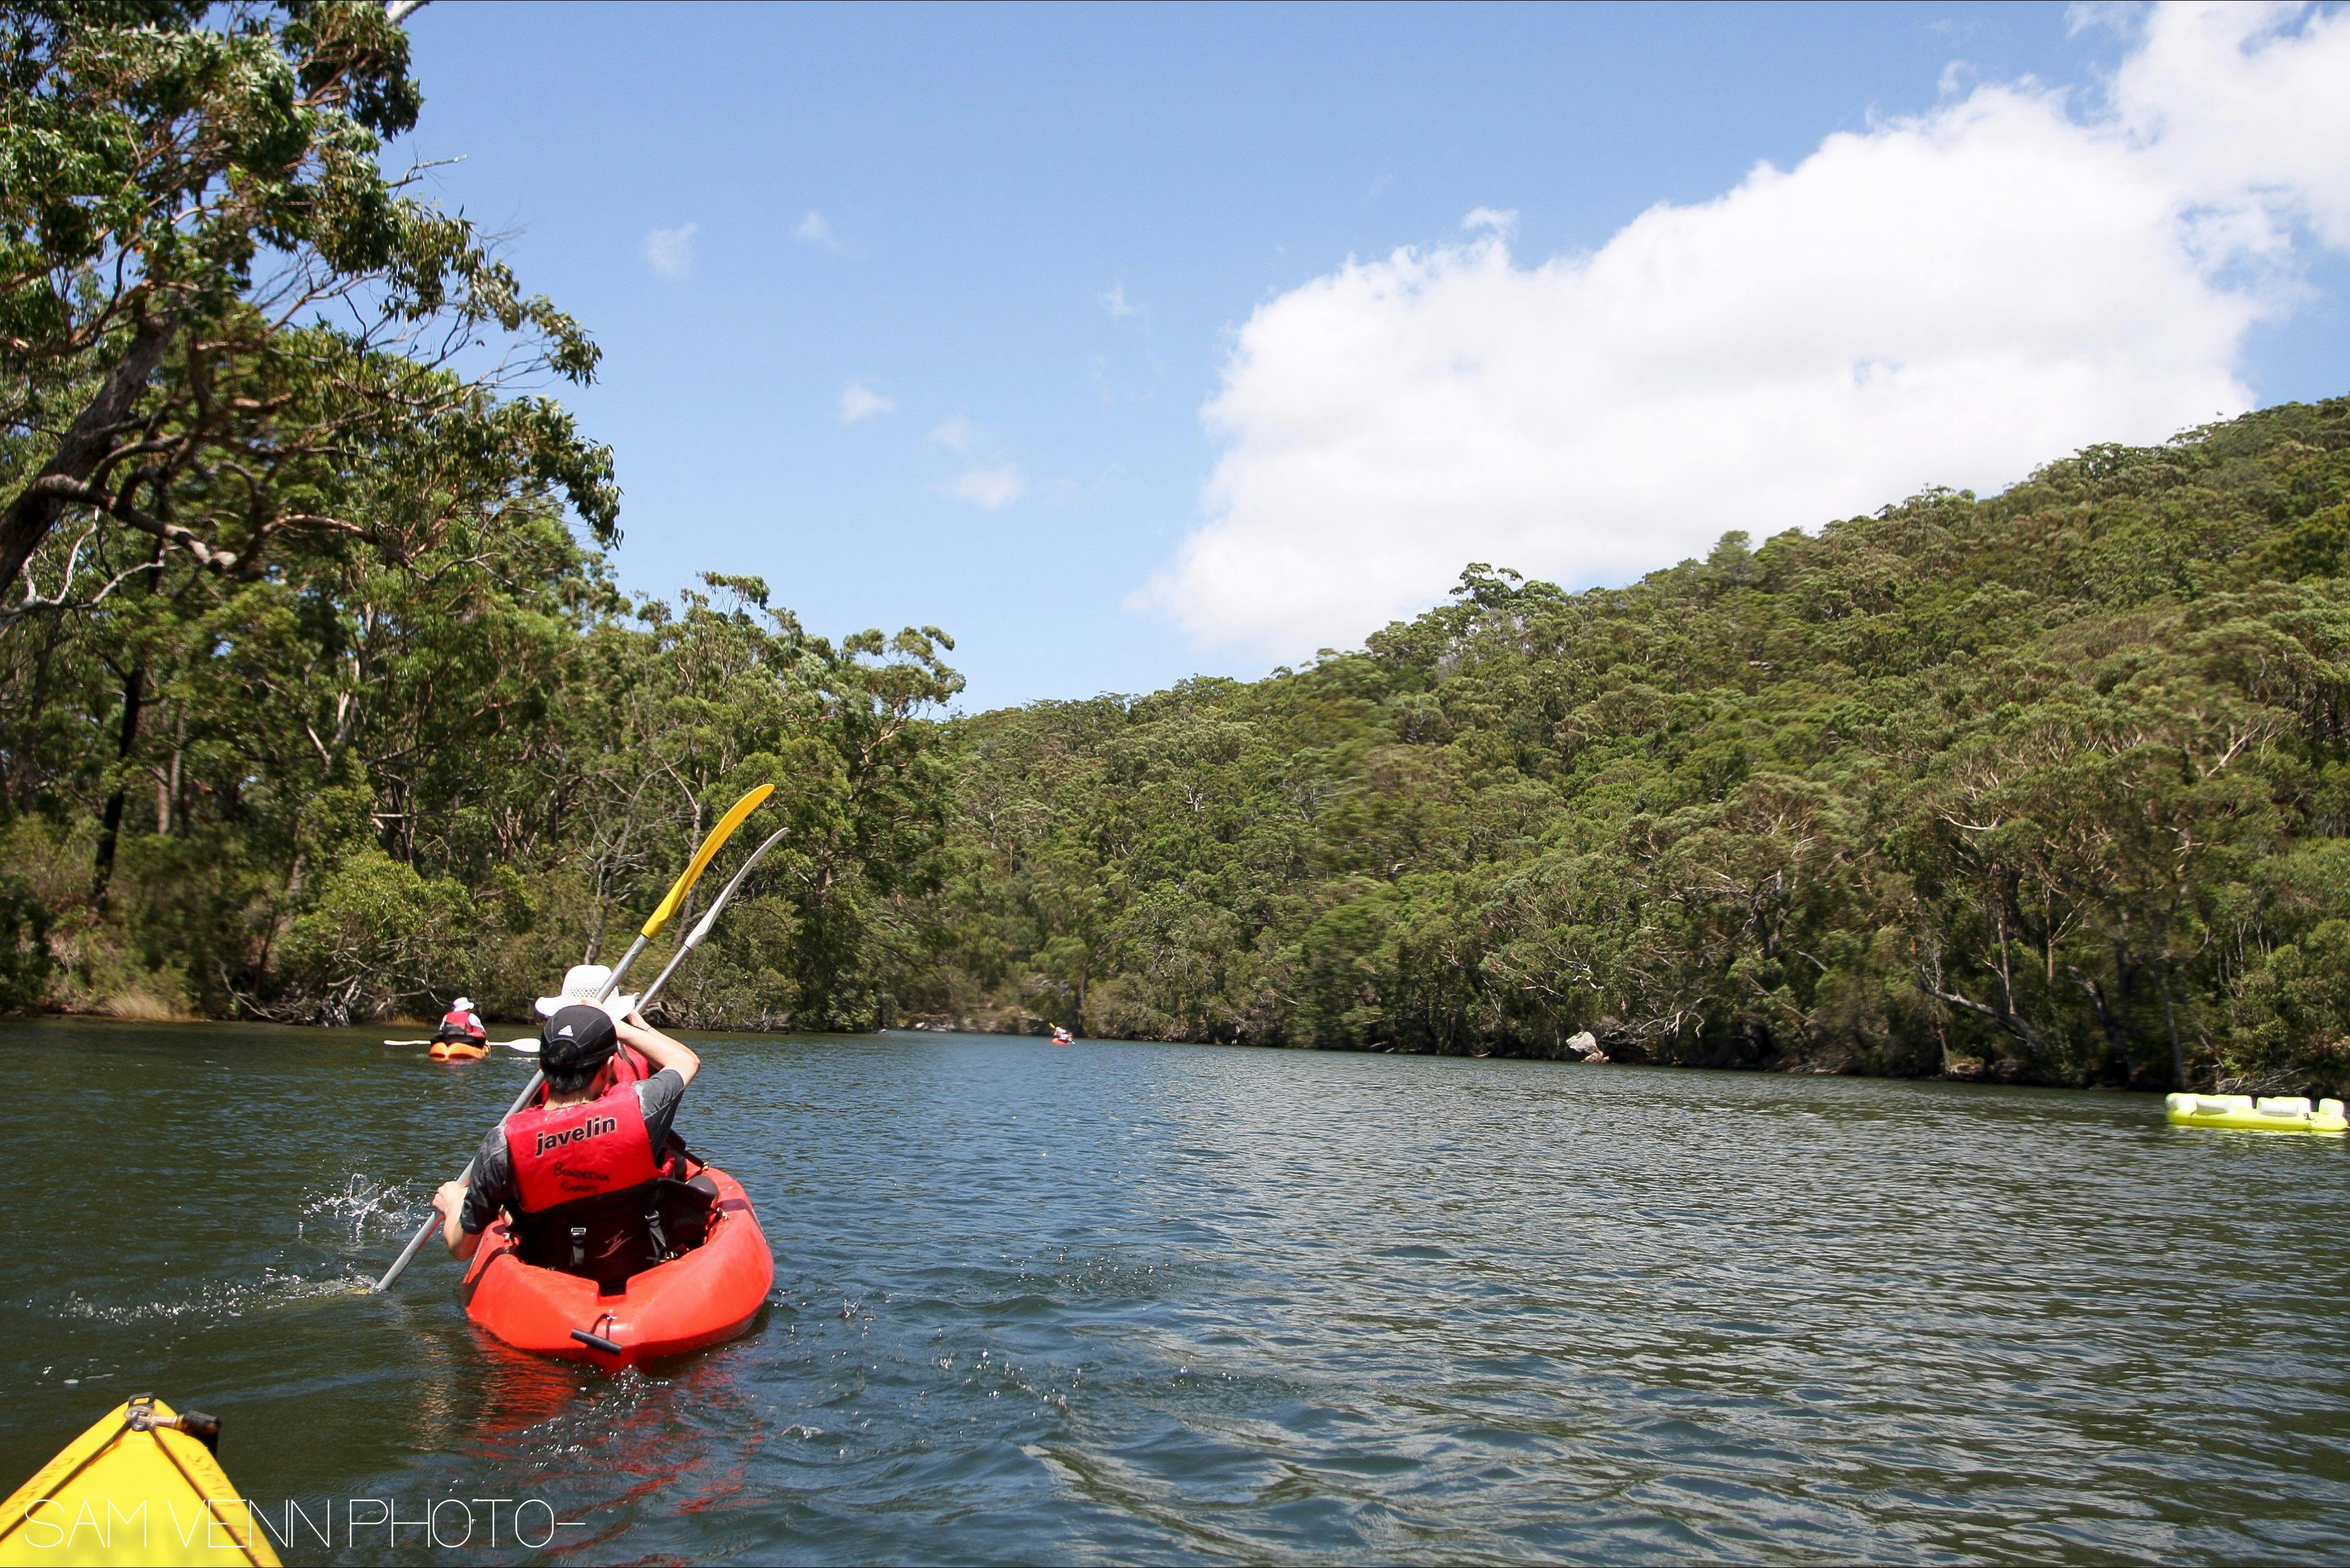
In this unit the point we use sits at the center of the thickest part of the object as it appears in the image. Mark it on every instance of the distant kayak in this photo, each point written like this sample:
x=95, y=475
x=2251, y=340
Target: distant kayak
x=2285, y=1113
x=133, y=1489
x=528, y=1042
x=698, y=1298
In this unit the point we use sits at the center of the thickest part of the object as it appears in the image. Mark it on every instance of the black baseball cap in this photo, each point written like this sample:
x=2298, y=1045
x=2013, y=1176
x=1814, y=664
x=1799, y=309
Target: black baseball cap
x=577, y=1039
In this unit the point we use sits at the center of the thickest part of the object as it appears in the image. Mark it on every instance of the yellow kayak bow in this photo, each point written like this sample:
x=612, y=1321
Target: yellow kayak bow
x=137, y=1487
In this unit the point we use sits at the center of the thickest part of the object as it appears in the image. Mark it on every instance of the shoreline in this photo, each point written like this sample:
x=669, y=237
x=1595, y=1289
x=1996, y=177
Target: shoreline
x=1788, y=1068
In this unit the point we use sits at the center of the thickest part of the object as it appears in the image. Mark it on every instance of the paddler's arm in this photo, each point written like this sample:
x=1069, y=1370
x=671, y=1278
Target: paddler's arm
x=466, y=1209
x=450, y=1201
x=658, y=1048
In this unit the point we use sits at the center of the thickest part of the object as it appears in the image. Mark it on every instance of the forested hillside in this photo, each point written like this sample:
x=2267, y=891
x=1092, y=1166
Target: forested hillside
x=2050, y=785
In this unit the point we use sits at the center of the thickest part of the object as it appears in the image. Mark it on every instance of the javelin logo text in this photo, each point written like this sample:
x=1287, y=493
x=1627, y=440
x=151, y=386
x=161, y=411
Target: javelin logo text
x=593, y=1126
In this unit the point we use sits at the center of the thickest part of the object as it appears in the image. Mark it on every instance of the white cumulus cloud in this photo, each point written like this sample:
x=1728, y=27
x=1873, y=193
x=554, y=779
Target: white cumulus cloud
x=815, y=230
x=991, y=485
x=957, y=434
x=1947, y=298
x=1115, y=302
x=990, y=477
x=670, y=251
x=860, y=401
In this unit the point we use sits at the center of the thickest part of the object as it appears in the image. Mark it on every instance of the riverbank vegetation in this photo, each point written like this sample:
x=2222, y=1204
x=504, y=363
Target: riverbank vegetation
x=2048, y=786
x=319, y=702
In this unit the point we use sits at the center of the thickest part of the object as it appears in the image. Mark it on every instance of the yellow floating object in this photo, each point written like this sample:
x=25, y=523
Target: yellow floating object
x=131, y=1490
x=2284, y=1113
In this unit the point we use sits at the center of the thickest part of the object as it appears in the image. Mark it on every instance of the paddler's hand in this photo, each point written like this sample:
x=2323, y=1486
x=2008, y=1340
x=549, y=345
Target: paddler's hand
x=450, y=1198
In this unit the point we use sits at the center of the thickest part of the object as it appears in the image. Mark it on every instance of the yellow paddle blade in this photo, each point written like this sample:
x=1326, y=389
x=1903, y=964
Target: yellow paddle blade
x=710, y=846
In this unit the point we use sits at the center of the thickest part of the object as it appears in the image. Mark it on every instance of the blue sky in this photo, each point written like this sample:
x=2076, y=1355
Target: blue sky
x=1043, y=236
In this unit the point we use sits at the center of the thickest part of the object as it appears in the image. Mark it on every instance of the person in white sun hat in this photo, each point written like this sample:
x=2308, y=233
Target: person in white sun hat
x=583, y=986
x=462, y=1023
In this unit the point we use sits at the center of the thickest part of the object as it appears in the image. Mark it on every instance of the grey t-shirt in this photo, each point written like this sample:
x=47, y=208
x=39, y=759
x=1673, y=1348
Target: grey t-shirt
x=493, y=1186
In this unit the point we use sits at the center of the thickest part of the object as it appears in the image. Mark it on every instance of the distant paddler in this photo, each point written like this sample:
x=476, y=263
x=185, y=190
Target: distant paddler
x=1062, y=1036
x=460, y=1024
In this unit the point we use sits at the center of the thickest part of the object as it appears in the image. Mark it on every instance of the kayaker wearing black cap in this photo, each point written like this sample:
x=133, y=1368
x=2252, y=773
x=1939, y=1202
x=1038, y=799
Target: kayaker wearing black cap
x=581, y=1172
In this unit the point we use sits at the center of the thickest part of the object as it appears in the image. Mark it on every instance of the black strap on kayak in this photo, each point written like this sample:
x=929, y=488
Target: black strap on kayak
x=659, y=1238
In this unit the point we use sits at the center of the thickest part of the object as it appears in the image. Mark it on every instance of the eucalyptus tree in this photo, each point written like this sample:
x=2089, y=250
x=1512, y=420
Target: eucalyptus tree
x=215, y=304
x=279, y=483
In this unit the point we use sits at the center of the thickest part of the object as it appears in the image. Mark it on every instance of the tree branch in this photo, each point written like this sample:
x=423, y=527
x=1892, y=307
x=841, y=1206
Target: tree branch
x=85, y=446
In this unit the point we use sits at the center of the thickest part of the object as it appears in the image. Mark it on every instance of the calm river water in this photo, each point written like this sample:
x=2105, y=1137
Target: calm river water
x=1171, y=1303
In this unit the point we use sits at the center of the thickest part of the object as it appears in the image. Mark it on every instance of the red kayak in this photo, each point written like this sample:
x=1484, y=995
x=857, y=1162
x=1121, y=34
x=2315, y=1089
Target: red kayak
x=702, y=1297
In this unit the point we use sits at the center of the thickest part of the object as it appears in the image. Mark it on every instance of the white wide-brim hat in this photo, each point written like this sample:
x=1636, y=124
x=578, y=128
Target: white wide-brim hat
x=582, y=984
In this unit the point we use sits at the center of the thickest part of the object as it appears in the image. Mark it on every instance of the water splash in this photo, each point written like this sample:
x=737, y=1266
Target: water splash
x=362, y=1208
x=215, y=1301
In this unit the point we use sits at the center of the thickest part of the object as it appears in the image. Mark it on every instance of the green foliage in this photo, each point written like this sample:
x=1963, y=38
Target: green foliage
x=2029, y=785
x=313, y=705
x=317, y=701
x=351, y=792
x=225, y=333
x=375, y=929
x=25, y=960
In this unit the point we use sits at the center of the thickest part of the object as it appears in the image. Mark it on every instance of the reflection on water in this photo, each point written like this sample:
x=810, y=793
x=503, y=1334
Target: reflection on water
x=1169, y=1303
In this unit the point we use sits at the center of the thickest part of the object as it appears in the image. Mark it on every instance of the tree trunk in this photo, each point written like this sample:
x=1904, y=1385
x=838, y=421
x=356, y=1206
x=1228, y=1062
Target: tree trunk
x=296, y=879
x=2178, y=1055
x=31, y=515
x=176, y=811
x=685, y=914
x=24, y=774
x=134, y=696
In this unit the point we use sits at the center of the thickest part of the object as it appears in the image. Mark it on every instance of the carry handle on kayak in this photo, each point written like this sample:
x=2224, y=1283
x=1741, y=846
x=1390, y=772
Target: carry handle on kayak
x=204, y=1429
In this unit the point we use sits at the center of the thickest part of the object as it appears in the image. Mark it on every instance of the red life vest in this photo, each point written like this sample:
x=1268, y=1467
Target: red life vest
x=587, y=1176
x=456, y=1023
x=585, y=1150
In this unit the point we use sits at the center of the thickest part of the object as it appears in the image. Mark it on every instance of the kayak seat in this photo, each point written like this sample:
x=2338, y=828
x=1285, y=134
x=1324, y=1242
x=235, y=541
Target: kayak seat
x=613, y=1238
x=678, y=1222
x=711, y=1293
x=686, y=1208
